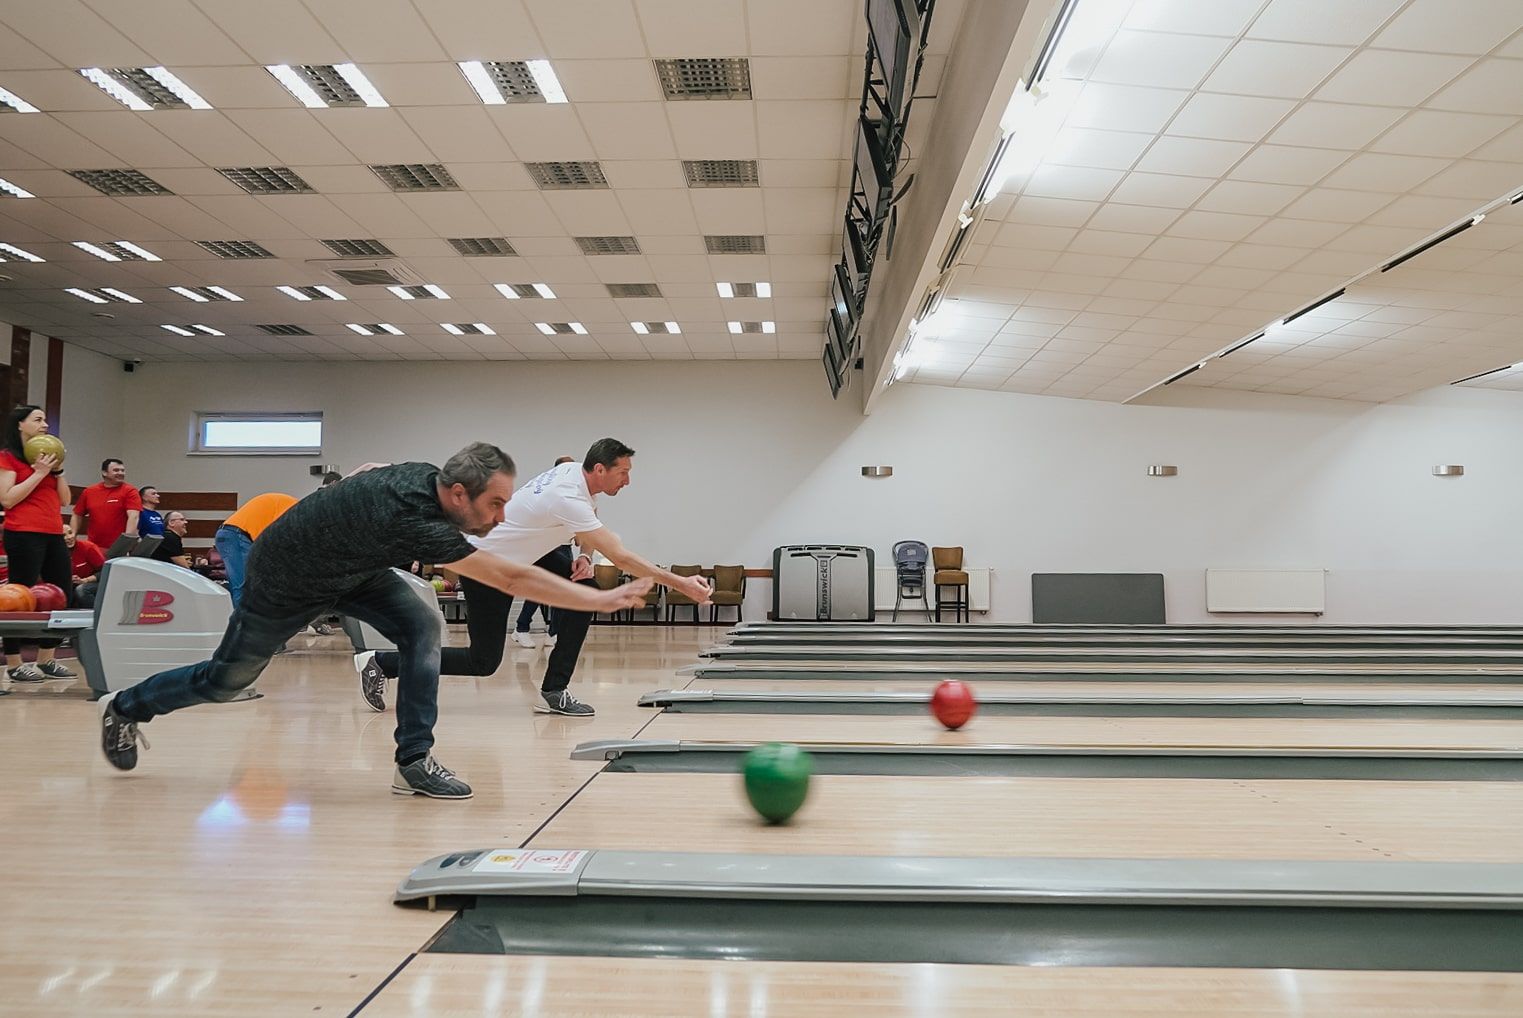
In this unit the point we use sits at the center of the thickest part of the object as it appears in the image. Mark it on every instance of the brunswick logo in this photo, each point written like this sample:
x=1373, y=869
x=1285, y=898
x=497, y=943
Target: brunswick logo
x=146, y=607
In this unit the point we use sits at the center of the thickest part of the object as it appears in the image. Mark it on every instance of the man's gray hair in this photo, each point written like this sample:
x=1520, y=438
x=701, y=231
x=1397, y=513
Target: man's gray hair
x=474, y=467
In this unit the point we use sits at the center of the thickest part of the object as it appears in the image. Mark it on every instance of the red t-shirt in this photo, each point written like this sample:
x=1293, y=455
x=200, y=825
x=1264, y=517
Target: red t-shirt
x=41, y=512
x=107, y=509
x=86, y=558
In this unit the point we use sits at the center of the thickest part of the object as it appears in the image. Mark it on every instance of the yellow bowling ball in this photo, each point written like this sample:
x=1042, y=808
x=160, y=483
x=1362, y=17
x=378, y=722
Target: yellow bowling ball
x=43, y=445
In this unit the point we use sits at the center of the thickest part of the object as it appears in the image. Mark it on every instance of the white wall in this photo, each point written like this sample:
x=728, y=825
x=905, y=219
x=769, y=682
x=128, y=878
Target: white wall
x=735, y=458
x=93, y=412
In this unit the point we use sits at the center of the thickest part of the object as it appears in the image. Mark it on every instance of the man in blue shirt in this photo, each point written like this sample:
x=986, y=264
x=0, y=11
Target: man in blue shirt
x=150, y=522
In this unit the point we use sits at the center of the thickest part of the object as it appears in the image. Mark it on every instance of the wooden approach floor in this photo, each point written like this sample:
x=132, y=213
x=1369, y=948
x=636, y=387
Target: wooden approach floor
x=246, y=867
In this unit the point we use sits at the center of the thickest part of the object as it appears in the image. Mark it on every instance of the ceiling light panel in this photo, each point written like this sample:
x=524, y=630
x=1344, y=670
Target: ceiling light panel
x=476, y=247
x=738, y=328
x=266, y=179
x=311, y=293
x=208, y=330
x=427, y=291
x=721, y=173
x=117, y=251
x=735, y=243
x=567, y=176
x=498, y=82
x=318, y=85
x=633, y=289
x=13, y=252
x=415, y=177
x=235, y=248
x=11, y=102
x=468, y=329
x=371, y=330
x=177, y=330
x=359, y=248
x=561, y=328
x=516, y=291
x=104, y=295
x=608, y=245
x=705, y=77
x=728, y=290
x=146, y=88
x=119, y=182
x=203, y=294
x=283, y=330
x=656, y=328
x=14, y=190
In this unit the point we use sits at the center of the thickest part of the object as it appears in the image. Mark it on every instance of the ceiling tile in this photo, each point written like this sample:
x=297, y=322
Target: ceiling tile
x=1191, y=157
x=578, y=29
x=1160, y=189
x=1124, y=108
x=677, y=28
x=715, y=130
x=1097, y=149
x=1383, y=78
x=292, y=136
x=378, y=30
x=1202, y=17
x=1282, y=70
x=802, y=129
x=1332, y=125
x=1158, y=59
x=1280, y=164
x=1345, y=23
x=272, y=32
x=608, y=80
x=1435, y=133
x=1229, y=117
x=1491, y=86
x=1438, y=26
x=1370, y=171
x=627, y=130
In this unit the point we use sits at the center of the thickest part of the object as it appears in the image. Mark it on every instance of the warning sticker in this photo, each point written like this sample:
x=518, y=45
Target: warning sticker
x=528, y=861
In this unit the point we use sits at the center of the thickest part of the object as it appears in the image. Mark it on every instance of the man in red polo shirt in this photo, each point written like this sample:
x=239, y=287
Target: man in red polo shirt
x=85, y=560
x=112, y=506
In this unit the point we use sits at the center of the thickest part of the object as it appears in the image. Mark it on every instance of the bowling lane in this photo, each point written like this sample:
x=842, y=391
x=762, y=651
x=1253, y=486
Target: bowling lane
x=1088, y=731
x=459, y=984
x=1181, y=671
x=1059, y=817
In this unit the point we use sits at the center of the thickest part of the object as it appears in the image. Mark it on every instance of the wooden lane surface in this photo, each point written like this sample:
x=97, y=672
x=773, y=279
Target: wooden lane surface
x=452, y=985
x=1468, y=692
x=1162, y=669
x=923, y=730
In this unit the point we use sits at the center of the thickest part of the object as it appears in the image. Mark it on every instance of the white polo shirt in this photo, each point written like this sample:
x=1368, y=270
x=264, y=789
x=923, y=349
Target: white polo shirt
x=545, y=513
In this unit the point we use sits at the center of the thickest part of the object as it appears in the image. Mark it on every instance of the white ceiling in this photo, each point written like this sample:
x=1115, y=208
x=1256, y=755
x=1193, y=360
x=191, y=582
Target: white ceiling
x=805, y=62
x=1228, y=162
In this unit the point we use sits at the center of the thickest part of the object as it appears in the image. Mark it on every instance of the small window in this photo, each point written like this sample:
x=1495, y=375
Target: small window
x=255, y=434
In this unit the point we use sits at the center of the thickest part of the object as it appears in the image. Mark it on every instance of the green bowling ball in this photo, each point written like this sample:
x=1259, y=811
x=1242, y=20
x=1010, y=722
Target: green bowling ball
x=777, y=780
x=43, y=445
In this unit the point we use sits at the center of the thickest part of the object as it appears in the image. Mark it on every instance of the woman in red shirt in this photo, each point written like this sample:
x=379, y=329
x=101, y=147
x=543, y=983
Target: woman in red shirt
x=33, y=496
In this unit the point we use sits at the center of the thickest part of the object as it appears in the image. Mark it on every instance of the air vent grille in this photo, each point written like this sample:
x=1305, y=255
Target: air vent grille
x=564, y=176
x=119, y=182
x=565, y=329
x=514, y=81
x=750, y=327
x=358, y=248
x=150, y=89
x=705, y=78
x=235, y=248
x=735, y=243
x=721, y=173
x=283, y=330
x=475, y=247
x=608, y=245
x=368, y=277
x=329, y=85
x=416, y=177
x=633, y=290
x=266, y=179
x=660, y=328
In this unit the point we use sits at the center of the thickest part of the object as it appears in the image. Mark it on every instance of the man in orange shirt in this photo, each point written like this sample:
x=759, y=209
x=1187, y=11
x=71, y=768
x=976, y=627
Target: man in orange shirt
x=236, y=535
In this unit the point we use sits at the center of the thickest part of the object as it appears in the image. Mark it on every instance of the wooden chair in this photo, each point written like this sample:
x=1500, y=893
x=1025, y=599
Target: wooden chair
x=677, y=599
x=607, y=578
x=950, y=573
x=729, y=591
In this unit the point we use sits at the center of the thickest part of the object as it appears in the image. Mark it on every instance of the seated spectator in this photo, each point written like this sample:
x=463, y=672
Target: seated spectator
x=173, y=547
x=85, y=560
x=150, y=522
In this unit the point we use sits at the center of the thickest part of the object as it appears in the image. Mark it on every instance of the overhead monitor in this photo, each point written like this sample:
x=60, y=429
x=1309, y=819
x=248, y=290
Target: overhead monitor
x=875, y=175
x=893, y=27
x=854, y=254
x=842, y=335
x=843, y=296
x=833, y=373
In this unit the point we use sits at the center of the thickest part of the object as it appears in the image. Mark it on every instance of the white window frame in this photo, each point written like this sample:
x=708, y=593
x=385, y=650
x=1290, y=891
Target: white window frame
x=203, y=417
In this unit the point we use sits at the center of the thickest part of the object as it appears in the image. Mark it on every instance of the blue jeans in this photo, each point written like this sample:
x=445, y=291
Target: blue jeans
x=233, y=546
x=256, y=631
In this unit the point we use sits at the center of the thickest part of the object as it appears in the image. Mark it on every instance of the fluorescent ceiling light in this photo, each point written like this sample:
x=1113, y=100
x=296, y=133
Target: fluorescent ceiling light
x=674, y=327
x=390, y=330
x=486, y=329
x=545, y=328
x=16, y=103
x=725, y=289
x=119, y=295
x=208, y=330
x=360, y=84
x=481, y=80
x=549, y=84
x=578, y=328
x=436, y=291
x=115, y=89
x=291, y=291
x=401, y=291
x=224, y=293
x=13, y=190
x=1476, y=220
x=735, y=328
x=769, y=326
x=543, y=289
x=141, y=252
x=185, y=291
x=98, y=252
x=506, y=290
x=86, y=295
x=26, y=256
x=453, y=330
x=177, y=330
x=640, y=328
x=764, y=289
x=1031, y=125
x=359, y=329
x=330, y=293
x=182, y=91
x=297, y=86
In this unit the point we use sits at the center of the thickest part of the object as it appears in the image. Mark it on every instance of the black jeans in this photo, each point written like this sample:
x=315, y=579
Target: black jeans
x=37, y=558
x=486, y=620
x=256, y=631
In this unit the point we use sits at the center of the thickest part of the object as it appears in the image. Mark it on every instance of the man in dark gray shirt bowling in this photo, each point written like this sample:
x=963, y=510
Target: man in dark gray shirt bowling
x=333, y=552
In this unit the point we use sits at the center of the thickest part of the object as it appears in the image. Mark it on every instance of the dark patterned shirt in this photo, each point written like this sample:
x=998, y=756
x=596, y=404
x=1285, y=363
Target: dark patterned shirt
x=338, y=538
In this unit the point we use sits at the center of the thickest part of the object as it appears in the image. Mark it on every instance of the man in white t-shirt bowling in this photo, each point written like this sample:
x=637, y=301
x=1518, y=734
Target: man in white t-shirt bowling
x=553, y=509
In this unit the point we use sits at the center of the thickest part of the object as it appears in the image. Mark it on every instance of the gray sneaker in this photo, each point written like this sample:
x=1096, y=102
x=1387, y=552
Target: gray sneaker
x=55, y=670
x=564, y=703
x=372, y=680
x=431, y=778
x=26, y=673
x=119, y=737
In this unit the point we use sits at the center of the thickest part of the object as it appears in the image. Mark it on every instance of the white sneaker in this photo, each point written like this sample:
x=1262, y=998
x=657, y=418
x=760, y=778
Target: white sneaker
x=523, y=639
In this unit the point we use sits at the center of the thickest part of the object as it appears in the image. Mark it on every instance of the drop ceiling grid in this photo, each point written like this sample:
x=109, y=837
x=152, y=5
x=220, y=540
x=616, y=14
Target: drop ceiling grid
x=1206, y=211
x=799, y=135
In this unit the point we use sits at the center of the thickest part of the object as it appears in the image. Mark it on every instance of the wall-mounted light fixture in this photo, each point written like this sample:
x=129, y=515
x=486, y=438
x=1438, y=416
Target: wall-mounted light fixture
x=319, y=469
x=1162, y=470
x=877, y=471
x=1449, y=470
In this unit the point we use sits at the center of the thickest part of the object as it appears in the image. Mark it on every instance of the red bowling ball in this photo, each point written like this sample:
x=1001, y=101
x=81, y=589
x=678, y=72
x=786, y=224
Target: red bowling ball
x=953, y=703
x=49, y=597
